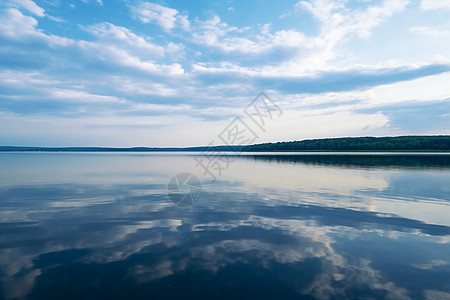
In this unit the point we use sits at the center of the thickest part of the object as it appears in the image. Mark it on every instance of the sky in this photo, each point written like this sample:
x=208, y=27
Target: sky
x=125, y=73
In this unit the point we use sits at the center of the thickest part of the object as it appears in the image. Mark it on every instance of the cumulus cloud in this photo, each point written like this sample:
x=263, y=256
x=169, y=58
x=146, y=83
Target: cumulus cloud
x=165, y=17
x=291, y=51
x=16, y=24
x=117, y=45
x=230, y=39
x=29, y=6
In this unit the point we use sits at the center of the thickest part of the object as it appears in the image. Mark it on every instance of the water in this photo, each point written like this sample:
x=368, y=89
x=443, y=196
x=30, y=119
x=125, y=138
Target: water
x=101, y=226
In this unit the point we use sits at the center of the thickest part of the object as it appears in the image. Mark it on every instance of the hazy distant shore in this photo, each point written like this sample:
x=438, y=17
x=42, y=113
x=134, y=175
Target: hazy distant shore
x=359, y=144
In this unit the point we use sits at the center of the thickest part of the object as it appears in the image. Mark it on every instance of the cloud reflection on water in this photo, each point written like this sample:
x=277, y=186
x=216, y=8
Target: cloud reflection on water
x=92, y=237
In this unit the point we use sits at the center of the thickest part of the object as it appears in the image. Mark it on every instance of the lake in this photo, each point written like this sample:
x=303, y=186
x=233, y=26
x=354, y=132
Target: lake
x=285, y=226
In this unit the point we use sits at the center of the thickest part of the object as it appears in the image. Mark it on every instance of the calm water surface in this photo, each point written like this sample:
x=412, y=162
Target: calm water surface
x=305, y=226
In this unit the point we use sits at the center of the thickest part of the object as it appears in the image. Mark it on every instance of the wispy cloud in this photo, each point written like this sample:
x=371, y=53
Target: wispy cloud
x=427, y=5
x=118, y=35
x=430, y=31
x=99, y=2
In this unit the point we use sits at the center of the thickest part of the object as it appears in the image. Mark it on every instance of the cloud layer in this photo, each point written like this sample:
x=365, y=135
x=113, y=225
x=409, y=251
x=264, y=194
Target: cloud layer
x=181, y=69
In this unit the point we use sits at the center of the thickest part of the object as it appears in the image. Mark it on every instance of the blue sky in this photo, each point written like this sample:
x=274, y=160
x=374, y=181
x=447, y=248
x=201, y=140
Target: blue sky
x=176, y=73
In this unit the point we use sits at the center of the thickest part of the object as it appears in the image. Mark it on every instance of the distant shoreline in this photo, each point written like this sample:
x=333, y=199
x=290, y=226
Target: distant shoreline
x=406, y=144
x=120, y=150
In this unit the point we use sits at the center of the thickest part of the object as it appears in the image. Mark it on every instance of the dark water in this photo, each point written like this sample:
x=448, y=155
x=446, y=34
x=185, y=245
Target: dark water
x=101, y=226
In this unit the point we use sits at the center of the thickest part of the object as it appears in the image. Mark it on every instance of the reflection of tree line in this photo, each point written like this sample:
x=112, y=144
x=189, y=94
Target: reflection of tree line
x=402, y=143
x=386, y=160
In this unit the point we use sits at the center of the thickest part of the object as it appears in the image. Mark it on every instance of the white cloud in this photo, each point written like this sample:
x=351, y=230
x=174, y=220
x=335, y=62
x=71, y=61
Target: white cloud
x=436, y=295
x=432, y=264
x=21, y=27
x=315, y=123
x=30, y=6
x=121, y=36
x=137, y=86
x=211, y=31
x=215, y=33
x=56, y=19
x=26, y=79
x=112, y=54
x=81, y=96
x=99, y=2
x=165, y=17
x=15, y=24
x=184, y=22
x=430, y=31
x=226, y=64
x=338, y=22
x=299, y=54
x=426, y=5
x=375, y=15
x=430, y=88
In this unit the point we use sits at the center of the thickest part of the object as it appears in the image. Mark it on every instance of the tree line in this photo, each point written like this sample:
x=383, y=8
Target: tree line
x=399, y=143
